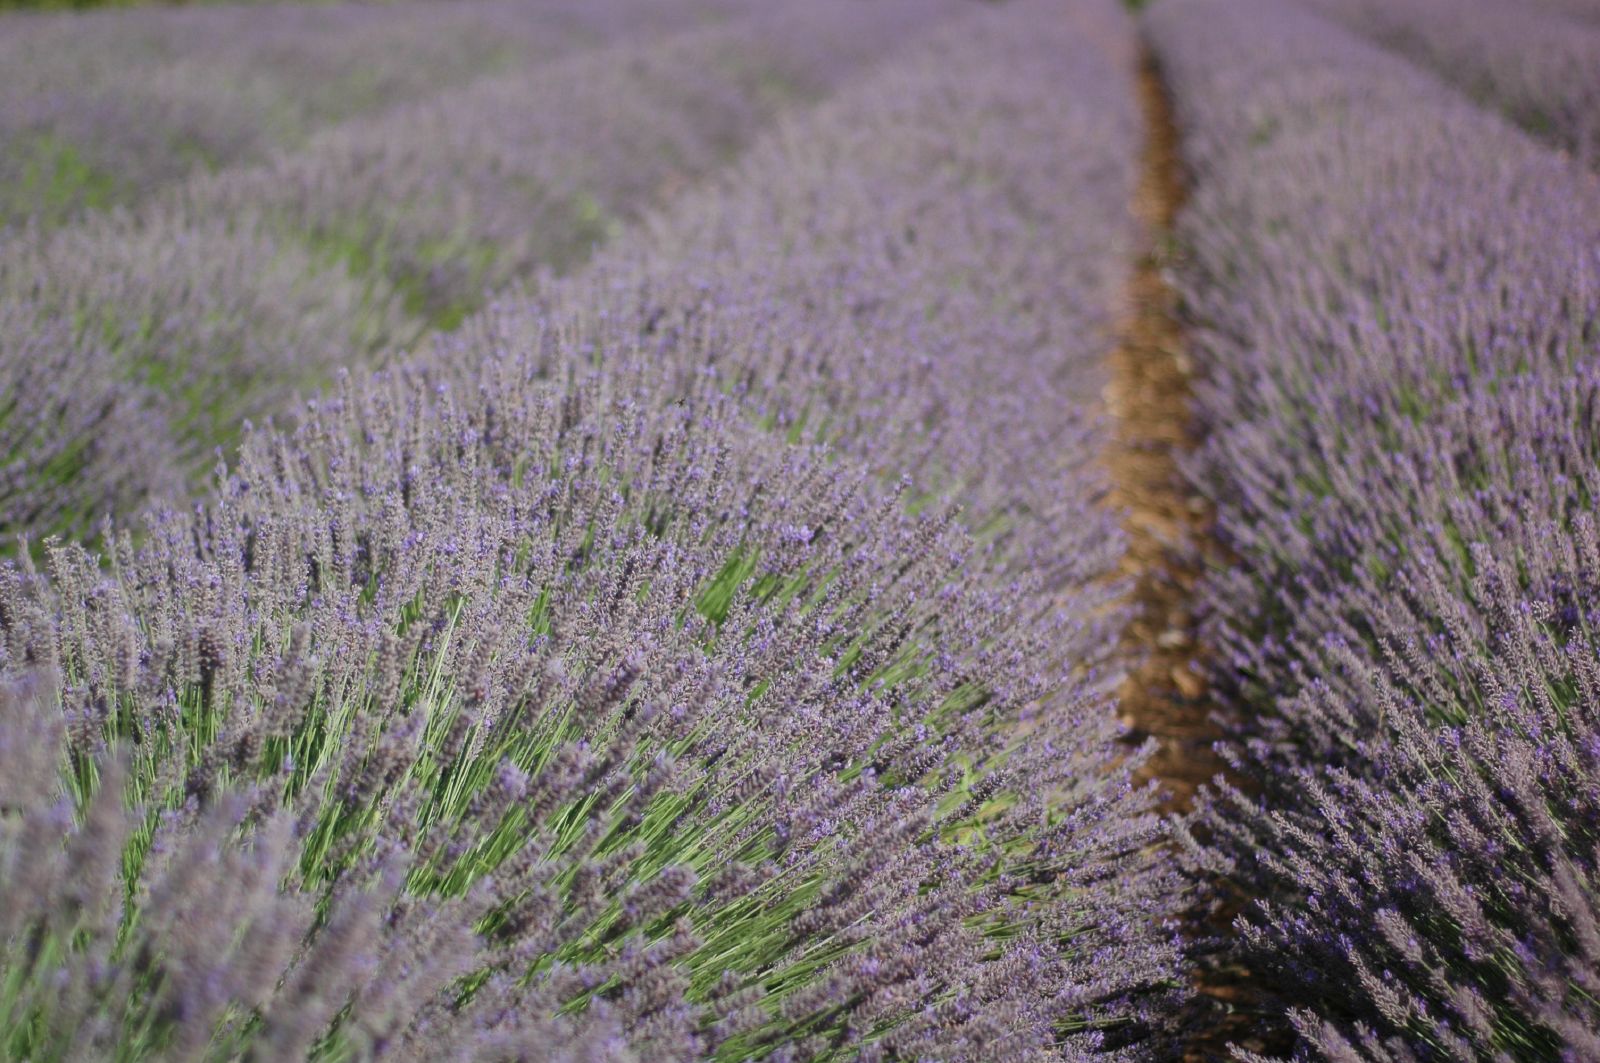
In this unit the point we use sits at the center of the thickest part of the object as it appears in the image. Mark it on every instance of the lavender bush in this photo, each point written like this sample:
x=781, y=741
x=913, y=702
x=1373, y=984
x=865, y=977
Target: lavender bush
x=922, y=277
x=706, y=737
x=463, y=192
x=1542, y=67
x=1395, y=295
x=71, y=431
x=104, y=108
x=565, y=694
x=217, y=301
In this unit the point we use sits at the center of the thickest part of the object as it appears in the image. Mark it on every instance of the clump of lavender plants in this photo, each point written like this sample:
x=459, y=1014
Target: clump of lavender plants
x=105, y=108
x=220, y=299
x=922, y=277
x=699, y=730
x=74, y=444
x=568, y=655
x=1536, y=65
x=1395, y=293
x=134, y=933
x=1437, y=897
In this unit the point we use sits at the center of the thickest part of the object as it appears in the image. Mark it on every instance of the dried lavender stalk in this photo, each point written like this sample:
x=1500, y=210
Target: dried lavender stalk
x=1395, y=293
x=1541, y=67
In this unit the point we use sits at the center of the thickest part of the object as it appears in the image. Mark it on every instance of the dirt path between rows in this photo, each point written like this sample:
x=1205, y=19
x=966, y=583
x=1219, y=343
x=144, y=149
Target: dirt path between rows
x=1169, y=530
x=1166, y=521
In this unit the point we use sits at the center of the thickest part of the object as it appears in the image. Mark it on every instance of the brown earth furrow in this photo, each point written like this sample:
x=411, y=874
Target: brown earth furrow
x=1166, y=521
x=1168, y=525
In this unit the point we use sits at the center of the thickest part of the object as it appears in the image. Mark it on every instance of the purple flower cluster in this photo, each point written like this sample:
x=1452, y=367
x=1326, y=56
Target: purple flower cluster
x=218, y=300
x=1395, y=295
x=707, y=657
x=1541, y=67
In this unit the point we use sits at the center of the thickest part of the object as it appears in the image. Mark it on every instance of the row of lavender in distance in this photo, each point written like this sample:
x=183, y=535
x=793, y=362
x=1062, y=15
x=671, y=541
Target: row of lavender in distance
x=170, y=325
x=939, y=306
x=103, y=108
x=581, y=711
x=1395, y=300
x=1541, y=67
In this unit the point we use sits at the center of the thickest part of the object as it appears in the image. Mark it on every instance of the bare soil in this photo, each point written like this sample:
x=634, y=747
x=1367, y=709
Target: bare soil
x=1169, y=527
x=1167, y=522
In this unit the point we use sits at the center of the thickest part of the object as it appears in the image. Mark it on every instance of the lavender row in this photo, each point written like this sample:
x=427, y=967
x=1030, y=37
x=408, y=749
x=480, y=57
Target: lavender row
x=1541, y=67
x=1580, y=9
x=103, y=108
x=1395, y=296
x=215, y=303
x=662, y=773
x=462, y=193
x=935, y=305
x=583, y=714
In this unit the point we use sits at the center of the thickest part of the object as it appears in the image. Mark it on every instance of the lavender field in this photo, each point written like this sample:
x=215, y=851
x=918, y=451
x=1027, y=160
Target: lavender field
x=882, y=530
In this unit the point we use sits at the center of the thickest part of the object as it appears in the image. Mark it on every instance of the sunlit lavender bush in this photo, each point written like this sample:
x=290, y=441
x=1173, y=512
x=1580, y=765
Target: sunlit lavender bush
x=215, y=302
x=1396, y=295
x=1538, y=66
x=561, y=700
x=690, y=726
